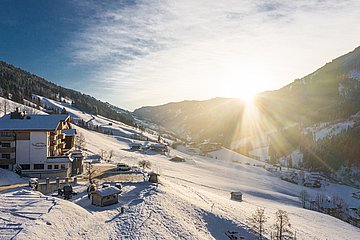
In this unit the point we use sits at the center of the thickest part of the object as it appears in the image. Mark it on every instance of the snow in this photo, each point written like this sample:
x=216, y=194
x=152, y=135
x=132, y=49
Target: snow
x=11, y=106
x=108, y=191
x=192, y=200
x=333, y=130
x=354, y=74
x=260, y=153
x=32, y=122
x=324, y=130
x=8, y=177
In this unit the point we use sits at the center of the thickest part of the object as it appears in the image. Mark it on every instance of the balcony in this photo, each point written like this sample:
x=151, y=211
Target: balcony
x=7, y=150
x=61, y=145
x=5, y=161
x=7, y=138
x=61, y=136
x=52, y=137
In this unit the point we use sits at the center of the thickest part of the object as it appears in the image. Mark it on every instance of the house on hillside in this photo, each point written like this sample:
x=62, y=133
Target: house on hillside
x=177, y=159
x=136, y=146
x=158, y=147
x=207, y=147
x=36, y=144
x=105, y=196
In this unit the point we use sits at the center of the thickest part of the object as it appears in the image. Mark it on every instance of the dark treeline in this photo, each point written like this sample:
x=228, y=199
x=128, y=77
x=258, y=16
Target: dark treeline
x=18, y=84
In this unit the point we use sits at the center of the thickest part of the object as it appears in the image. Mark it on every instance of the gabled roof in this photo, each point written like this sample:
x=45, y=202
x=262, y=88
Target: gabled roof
x=108, y=191
x=32, y=122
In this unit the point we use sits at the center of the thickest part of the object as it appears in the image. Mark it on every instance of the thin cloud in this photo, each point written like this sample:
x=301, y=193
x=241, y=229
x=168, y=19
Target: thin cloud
x=150, y=52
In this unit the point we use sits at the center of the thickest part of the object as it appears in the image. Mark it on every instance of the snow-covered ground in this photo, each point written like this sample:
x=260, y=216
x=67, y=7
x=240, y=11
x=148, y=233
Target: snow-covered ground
x=8, y=178
x=191, y=202
x=11, y=106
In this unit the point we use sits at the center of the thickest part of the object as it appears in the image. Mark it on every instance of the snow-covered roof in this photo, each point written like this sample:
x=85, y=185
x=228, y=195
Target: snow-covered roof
x=103, y=192
x=58, y=160
x=157, y=145
x=236, y=193
x=69, y=132
x=135, y=144
x=32, y=122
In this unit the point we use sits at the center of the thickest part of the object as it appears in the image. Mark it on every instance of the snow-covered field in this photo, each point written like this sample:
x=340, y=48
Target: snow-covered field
x=191, y=202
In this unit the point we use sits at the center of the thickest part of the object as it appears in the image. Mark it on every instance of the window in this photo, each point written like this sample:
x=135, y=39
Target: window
x=5, y=145
x=56, y=166
x=49, y=167
x=5, y=155
x=4, y=166
x=25, y=166
x=38, y=166
x=63, y=166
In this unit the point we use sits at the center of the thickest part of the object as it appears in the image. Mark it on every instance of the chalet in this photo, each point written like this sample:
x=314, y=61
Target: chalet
x=158, y=147
x=177, y=159
x=136, y=146
x=207, y=147
x=236, y=196
x=105, y=196
x=35, y=143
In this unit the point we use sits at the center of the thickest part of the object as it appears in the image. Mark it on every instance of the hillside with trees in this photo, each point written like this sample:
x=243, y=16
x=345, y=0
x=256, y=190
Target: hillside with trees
x=17, y=85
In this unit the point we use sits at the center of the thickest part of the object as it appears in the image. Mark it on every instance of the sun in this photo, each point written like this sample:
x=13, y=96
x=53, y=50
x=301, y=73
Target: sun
x=248, y=97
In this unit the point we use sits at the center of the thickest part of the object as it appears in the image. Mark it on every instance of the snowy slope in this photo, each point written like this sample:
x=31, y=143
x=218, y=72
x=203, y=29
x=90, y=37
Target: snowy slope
x=202, y=186
x=11, y=106
x=192, y=201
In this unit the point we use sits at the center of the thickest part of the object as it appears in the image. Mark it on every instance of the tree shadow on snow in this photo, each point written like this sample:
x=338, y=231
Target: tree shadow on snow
x=222, y=228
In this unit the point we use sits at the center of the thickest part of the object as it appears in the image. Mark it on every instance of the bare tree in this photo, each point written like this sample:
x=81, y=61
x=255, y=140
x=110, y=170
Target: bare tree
x=320, y=200
x=111, y=154
x=304, y=197
x=144, y=164
x=103, y=155
x=5, y=106
x=80, y=141
x=282, y=226
x=340, y=204
x=257, y=221
x=89, y=170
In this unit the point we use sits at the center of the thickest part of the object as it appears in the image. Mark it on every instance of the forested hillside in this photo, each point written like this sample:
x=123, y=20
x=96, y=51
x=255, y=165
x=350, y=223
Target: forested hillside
x=18, y=84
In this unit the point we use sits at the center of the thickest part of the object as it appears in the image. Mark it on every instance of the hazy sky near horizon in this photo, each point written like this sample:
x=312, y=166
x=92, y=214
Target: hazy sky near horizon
x=136, y=53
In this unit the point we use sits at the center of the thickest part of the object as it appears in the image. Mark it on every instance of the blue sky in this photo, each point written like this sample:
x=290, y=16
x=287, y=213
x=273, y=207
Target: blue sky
x=135, y=53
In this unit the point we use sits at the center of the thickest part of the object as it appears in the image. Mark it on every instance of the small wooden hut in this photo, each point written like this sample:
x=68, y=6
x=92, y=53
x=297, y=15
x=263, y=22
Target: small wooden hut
x=105, y=196
x=154, y=177
x=236, y=196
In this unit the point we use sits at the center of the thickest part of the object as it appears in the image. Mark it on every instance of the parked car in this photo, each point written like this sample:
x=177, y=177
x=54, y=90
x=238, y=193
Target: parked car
x=123, y=167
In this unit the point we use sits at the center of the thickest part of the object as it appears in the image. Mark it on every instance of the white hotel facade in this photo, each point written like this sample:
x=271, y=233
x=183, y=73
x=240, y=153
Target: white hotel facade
x=37, y=144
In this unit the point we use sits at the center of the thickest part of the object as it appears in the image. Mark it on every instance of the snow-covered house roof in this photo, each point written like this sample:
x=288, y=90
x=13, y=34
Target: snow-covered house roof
x=108, y=191
x=135, y=144
x=32, y=122
x=157, y=145
x=69, y=132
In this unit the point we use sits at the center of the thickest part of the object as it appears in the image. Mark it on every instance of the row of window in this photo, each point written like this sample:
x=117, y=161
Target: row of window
x=42, y=166
x=6, y=156
x=7, y=134
x=5, y=145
